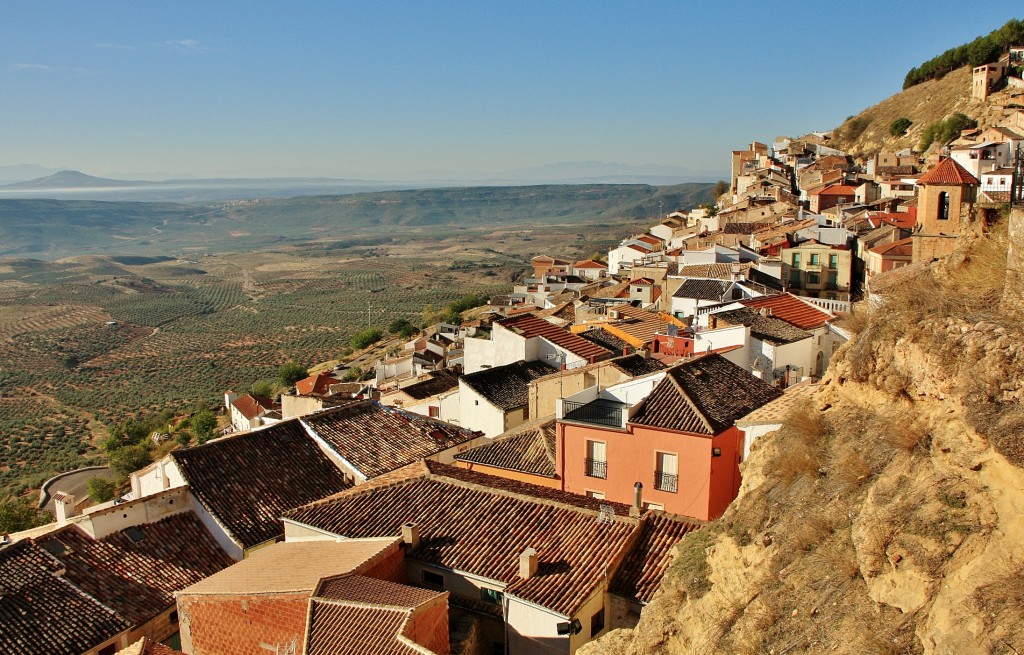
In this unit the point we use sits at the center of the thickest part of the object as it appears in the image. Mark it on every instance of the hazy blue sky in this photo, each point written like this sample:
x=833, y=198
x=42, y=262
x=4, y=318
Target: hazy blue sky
x=400, y=89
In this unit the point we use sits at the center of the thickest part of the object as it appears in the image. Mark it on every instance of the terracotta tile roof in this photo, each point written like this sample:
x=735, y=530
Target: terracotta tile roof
x=316, y=385
x=292, y=567
x=642, y=281
x=836, y=190
x=544, y=259
x=606, y=340
x=744, y=228
x=637, y=326
x=136, y=571
x=438, y=382
x=337, y=627
x=651, y=239
x=791, y=309
x=530, y=326
x=905, y=220
x=901, y=248
x=589, y=263
x=766, y=328
x=702, y=289
x=479, y=524
x=42, y=612
x=611, y=290
x=506, y=387
x=948, y=171
x=146, y=647
x=376, y=439
x=529, y=448
x=641, y=573
x=705, y=395
x=252, y=406
x=636, y=365
x=247, y=481
x=361, y=589
x=713, y=271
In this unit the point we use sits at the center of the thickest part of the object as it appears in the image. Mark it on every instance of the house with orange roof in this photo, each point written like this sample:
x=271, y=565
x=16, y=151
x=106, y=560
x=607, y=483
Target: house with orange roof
x=831, y=196
x=676, y=445
x=527, y=337
x=315, y=597
x=886, y=257
x=249, y=411
x=590, y=270
x=543, y=265
x=542, y=571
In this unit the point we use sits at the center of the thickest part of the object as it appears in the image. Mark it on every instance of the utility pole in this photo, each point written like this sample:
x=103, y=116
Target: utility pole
x=367, y=313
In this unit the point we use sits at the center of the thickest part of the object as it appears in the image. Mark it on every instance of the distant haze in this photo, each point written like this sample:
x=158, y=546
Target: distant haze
x=434, y=93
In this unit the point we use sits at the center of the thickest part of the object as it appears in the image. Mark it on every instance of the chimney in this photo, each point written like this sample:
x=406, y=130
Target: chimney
x=528, y=564
x=64, y=506
x=638, y=499
x=411, y=535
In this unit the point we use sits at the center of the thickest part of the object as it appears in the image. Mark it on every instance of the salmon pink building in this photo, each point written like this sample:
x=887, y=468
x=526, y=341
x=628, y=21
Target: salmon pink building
x=678, y=447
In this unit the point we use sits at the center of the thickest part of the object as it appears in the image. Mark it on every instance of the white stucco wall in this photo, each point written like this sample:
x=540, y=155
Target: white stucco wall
x=476, y=413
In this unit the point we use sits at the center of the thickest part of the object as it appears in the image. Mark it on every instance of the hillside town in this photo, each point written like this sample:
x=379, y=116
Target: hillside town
x=515, y=483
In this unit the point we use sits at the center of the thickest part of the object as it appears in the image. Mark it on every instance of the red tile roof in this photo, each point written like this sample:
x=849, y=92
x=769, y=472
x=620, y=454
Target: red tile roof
x=252, y=406
x=136, y=571
x=316, y=385
x=376, y=439
x=948, y=172
x=361, y=589
x=836, y=190
x=249, y=480
x=528, y=448
x=589, y=263
x=791, y=309
x=901, y=248
x=530, y=326
x=905, y=220
x=705, y=395
x=479, y=524
x=641, y=573
x=337, y=627
x=42, y=612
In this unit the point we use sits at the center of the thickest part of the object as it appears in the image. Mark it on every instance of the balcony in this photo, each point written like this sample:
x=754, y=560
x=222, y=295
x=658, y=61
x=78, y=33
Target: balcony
x=606, y=413
x=666, y=481
x=595, y=468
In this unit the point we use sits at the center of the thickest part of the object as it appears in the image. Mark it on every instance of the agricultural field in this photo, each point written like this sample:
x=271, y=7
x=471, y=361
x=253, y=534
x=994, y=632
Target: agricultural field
x=90, y=341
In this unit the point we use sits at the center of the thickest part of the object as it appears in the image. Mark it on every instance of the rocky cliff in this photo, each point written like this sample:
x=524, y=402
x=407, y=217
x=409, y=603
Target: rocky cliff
x=887, y=516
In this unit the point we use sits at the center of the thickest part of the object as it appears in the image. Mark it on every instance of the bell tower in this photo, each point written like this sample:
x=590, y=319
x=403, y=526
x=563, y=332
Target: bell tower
x=945, y=202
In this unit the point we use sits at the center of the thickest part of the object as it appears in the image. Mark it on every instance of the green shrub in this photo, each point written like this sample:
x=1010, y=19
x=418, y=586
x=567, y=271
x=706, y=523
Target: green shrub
x=20, y=514
x=290, y=373
x=900, y=126
x=365, y=338
x=100, y=490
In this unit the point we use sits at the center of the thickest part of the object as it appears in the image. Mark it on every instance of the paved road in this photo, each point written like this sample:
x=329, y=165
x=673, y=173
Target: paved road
x=75, y=483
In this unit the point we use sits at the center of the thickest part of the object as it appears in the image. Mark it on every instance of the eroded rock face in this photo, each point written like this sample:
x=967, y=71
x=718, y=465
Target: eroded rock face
x=893, y=527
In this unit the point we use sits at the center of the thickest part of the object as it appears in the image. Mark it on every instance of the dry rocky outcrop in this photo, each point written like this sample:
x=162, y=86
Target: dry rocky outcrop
x=888, y=515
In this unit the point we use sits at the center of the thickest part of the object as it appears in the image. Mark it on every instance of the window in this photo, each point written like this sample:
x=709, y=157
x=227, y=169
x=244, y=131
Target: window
x=796, y=259
x=172, y=617
x=597, y=622
x=492, y=596
x=813, y=278
x=833, y=261
x=794, y=278
x=657, y=506
x=833, y=280
x=432, y=580
x=596, y=463
x=814, y=259
x=666, y=472
x=108, y=650
x=943, y=206
x=597, y=495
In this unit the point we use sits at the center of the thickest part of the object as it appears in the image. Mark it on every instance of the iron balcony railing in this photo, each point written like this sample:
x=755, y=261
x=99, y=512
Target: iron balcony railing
x=666, y=481
x=595, y=412
x=596, y=468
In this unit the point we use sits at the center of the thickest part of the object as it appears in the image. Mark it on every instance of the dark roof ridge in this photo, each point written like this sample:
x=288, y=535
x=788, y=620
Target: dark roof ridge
x=466, y=484
x=385, y=481
x=686, y=396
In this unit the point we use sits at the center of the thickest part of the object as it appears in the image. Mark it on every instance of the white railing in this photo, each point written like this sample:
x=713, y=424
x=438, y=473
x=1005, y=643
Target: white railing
x=834, y=306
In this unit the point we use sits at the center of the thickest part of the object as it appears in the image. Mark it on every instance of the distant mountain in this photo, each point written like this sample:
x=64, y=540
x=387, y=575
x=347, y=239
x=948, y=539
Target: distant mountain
x=71, y=180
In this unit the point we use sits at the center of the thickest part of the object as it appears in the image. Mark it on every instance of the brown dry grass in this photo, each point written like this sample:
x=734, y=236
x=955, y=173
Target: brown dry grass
x=1001, y=602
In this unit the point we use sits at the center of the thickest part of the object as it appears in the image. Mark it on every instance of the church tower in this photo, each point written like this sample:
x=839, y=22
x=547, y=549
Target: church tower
x=945, y=203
